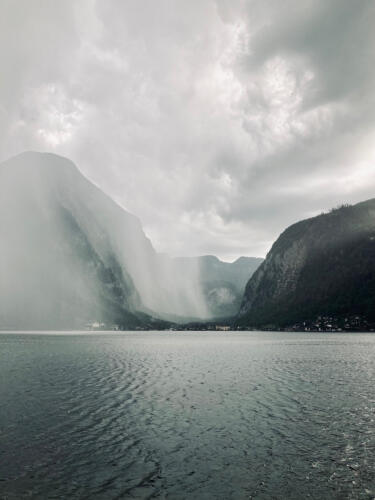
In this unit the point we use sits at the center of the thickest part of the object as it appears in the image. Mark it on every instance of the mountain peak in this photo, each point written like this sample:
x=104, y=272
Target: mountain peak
x=324, y=265
x=41, y=161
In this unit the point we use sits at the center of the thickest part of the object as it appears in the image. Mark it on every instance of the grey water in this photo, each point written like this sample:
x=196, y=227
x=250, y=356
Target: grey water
x=190, y=415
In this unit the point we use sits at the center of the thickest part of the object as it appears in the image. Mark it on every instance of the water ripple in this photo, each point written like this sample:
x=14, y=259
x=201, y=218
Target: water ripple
x=188, y=415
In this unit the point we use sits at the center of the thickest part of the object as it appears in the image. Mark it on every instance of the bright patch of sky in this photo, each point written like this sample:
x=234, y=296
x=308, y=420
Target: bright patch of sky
x=217, y=123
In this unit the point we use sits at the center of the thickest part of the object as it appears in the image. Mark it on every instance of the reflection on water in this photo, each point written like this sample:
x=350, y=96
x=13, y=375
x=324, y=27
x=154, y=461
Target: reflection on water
x=187, y=415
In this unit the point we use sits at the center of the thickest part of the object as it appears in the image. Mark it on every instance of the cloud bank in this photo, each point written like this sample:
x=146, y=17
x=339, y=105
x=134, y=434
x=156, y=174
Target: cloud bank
x=217, y=123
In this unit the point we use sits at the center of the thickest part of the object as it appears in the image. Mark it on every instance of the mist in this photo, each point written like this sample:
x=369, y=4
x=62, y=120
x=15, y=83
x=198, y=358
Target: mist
x=69, y=255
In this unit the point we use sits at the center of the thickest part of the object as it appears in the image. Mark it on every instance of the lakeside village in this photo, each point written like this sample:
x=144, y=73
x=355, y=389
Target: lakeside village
x=100, y=326
x=326, y=324
x=319, y=324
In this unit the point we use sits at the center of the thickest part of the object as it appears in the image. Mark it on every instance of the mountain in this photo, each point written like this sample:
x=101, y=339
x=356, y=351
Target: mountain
x=69, y=255
x=323, y=266
x=223, y=283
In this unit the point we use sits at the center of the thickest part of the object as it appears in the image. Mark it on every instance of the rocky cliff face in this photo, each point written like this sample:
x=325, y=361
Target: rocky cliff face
x=322, y=265
x=57, y=267
x=70, y=255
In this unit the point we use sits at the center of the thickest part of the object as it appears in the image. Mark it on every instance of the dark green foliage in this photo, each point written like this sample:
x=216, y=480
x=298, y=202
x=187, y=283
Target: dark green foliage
x=320, y=266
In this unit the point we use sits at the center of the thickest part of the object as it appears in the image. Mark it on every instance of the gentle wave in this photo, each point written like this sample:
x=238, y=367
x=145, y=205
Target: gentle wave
x=187, y=415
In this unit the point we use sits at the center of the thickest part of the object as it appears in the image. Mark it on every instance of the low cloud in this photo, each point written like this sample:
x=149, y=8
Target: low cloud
x=217, y=123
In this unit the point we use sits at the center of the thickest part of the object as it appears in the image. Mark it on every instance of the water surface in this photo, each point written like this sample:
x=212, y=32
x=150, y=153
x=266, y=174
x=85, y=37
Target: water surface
x=190, y=415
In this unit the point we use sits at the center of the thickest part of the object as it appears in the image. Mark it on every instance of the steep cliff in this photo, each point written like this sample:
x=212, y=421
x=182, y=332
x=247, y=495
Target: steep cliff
x=69, y=255
x=320, y=266
x=58, y=268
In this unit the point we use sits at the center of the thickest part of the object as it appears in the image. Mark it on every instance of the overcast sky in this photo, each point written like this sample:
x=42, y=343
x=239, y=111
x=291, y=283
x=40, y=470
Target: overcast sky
x=217, y=122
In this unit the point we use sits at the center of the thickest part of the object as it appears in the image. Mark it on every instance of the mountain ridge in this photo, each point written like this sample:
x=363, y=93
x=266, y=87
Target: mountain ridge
x=70, y=255
x=223, y=283
x=323, y=265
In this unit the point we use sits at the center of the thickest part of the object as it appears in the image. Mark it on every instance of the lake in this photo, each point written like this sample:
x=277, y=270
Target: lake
x=187, y=415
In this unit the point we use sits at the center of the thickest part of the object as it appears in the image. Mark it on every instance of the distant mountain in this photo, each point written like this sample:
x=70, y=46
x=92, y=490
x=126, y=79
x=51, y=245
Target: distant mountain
x=223, y=283
x=323, y=266
x=69, y=255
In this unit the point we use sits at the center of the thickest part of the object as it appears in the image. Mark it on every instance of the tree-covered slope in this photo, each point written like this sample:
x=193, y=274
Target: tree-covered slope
x=320, y=266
